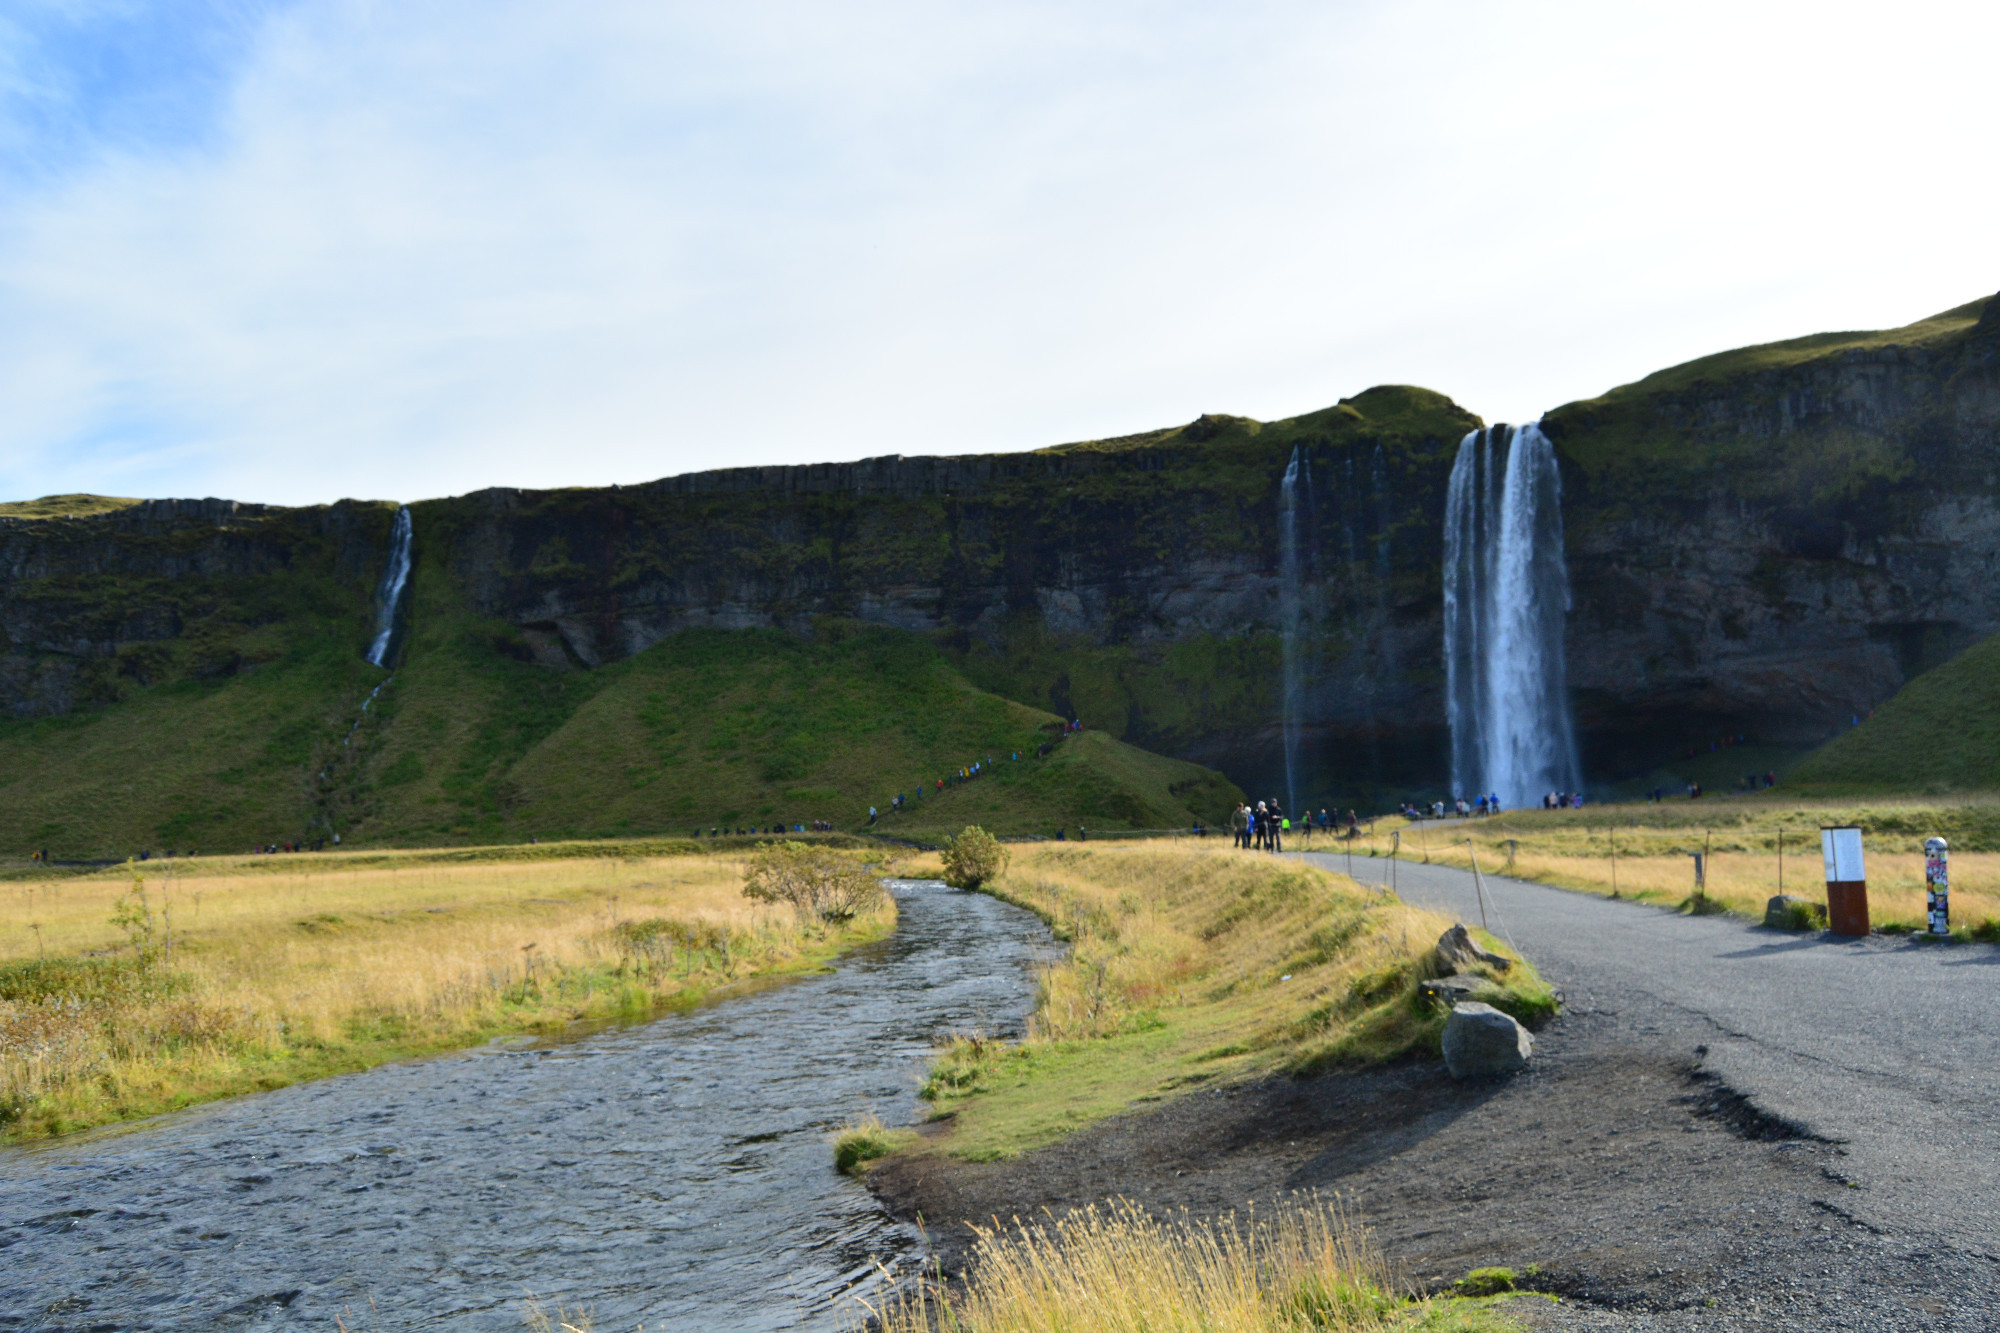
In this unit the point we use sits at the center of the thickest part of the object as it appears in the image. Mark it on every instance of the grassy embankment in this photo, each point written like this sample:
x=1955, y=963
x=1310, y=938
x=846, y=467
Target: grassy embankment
x=470, y=745
x=1574, y=849
x=241, y=974
x=1191, y=965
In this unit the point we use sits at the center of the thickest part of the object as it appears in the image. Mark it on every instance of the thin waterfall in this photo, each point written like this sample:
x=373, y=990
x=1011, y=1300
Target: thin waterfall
x=1291, y=614
x=1506, y=598
x=389, y=593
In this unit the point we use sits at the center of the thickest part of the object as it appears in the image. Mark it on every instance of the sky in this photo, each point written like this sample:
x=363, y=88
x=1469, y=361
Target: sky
x=295, y=251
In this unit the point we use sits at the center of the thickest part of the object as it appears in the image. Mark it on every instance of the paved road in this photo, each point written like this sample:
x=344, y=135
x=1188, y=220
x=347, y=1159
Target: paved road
x=1887, y=1046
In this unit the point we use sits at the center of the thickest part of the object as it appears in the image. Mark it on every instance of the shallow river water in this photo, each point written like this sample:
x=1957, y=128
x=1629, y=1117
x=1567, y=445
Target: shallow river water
x=671, y=1175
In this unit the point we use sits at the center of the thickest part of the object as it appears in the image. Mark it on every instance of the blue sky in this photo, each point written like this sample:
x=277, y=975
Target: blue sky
x=290, y=252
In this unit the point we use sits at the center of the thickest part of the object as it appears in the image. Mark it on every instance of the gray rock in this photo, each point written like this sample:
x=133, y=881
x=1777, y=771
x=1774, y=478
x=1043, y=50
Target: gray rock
x=1459, y=986
x=1455, y=950
x=1788, y=911
x=1481, y=1042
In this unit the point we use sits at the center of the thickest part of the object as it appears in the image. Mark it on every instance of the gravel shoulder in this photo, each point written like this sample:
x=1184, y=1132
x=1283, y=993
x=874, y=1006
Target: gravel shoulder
x=1628, y=1162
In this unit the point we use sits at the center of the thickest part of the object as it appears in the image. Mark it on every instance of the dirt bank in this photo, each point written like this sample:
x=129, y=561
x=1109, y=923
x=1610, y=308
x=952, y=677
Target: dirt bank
x=1650, y=1196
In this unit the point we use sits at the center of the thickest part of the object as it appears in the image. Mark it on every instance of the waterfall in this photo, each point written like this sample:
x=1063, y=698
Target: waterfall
x=1291, y=613
x=1506, y=596
x=389, y=593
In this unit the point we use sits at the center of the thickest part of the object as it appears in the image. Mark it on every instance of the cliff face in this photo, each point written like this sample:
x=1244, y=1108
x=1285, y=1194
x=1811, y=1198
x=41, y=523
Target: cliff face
x=110, y=598
x=1131, y=582
x=1773, y=541
x=1769, y=541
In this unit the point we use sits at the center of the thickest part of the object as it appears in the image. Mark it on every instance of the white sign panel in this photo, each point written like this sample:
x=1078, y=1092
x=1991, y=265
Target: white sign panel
x=1842, y=849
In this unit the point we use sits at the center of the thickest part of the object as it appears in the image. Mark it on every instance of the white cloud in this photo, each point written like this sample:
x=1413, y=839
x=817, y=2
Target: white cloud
x=446, y=246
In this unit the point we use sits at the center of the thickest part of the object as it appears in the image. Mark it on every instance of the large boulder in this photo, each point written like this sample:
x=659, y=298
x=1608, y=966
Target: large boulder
x=1456, y=950
x=1482, y=1042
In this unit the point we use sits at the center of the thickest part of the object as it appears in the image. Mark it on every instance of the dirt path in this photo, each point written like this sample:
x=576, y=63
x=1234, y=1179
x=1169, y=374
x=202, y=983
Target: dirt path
x=1646, y=1188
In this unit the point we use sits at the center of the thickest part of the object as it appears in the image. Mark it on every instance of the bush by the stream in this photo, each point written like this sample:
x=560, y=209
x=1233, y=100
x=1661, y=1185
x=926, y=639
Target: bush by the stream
x=973, y=858
x=816, y=880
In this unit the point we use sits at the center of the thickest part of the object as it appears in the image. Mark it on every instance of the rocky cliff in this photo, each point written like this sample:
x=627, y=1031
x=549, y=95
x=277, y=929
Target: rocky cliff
x=1766, y=542
x=1772, y=541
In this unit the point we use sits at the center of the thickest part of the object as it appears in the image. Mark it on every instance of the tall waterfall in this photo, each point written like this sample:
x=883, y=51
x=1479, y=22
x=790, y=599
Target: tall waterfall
x=389, y=593
x=1506, y=595
x=1291, y=614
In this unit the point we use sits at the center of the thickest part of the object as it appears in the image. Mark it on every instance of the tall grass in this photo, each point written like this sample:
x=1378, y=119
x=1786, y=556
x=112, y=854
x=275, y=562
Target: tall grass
x=1189, y=964
x=1122, y=1270
x=230, y=981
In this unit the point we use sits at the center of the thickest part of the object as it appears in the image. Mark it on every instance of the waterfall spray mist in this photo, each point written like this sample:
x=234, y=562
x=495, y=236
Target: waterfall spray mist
x=389, y=593
x=1506, y=597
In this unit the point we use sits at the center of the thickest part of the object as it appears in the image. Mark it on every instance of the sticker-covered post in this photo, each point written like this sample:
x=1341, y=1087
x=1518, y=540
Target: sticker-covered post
x=1937, y=885
x=1846, y=881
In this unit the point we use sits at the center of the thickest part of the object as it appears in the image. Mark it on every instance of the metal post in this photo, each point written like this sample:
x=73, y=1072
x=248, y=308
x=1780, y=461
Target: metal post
x=1614, y=863
x=1700, y=875
x=1395, y=846
x=1478, y=885
x=1937, y=885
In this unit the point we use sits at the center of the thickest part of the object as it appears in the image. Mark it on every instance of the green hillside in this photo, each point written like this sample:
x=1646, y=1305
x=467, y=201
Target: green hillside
x=470, y=740
x=1939, y=734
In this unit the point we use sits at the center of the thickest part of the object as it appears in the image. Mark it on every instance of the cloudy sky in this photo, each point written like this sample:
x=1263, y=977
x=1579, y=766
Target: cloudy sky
x=296, y=251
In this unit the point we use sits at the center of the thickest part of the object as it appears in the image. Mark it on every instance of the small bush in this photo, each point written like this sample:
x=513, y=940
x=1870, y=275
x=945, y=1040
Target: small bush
x=811, y=878
x=1486, y=1282
x=973, y=858
x=860, y=1143
x=1803, y=916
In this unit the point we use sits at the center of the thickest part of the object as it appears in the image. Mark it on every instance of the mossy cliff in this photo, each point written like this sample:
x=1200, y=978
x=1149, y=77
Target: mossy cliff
x=1772, y=541
x=1766, y=542
x=1131, y=583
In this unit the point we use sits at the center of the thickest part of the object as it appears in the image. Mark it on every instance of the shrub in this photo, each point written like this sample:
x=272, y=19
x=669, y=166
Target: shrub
x=811, y=878
x=861, y=1143
x=972, y=858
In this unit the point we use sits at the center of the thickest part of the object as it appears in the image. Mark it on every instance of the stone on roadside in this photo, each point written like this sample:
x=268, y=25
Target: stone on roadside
x=1788, y=911
x=1455, y=950
x=1458, y=986
x=1482, y=1042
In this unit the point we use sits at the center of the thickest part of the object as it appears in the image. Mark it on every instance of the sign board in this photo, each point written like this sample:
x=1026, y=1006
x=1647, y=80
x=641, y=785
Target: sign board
x=1842, y=849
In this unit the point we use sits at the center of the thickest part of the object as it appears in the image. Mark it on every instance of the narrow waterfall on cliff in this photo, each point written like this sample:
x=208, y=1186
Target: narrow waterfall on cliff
x=1506, y=596
x=1291, y=614
x=389, y=593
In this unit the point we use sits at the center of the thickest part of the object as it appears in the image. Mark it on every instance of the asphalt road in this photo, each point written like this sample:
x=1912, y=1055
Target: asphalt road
x=1886, y=1046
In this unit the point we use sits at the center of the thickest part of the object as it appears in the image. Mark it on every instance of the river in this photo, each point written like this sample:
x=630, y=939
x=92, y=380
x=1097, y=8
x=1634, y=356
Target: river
x=675, y=1174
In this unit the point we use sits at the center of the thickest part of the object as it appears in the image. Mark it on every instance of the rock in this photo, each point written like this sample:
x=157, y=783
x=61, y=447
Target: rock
x=1481, y=1042
x=1788, y=911
x=1455, y=950
x=1455, y=988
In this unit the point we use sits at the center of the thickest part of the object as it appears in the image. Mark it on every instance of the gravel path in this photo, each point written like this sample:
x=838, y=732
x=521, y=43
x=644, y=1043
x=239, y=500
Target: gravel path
x=1727, y=1128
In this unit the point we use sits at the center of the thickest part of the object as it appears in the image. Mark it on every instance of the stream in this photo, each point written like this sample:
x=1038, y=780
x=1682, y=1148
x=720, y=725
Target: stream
x=675, y=1174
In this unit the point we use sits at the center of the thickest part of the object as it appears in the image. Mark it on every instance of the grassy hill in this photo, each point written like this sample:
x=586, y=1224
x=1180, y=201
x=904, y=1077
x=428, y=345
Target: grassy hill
x=470, y=740
x=1939, y=734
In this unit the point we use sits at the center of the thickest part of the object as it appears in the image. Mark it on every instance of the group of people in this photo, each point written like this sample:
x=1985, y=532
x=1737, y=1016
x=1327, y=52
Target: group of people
x=1562, y=800
x=1263, y=827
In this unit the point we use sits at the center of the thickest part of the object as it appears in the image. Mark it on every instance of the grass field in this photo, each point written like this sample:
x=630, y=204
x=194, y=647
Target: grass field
x=1740, y=841
x=1939, y=734
x=1191, y=964
x=123, y=996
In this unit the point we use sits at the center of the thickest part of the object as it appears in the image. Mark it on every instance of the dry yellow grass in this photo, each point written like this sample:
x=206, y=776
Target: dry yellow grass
x=1120, y=1270
x=1654, y=864
x=261, y=976
x=1189, y=964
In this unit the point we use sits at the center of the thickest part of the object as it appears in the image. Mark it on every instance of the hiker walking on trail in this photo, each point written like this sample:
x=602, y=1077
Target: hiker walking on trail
x=1239, y=825
x=1278, y=825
